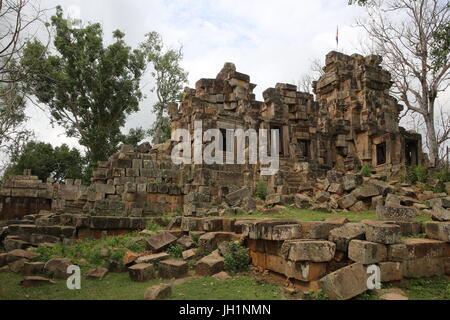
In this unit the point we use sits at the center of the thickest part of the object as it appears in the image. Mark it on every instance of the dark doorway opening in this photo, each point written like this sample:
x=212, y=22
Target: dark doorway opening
x=223, y=142
x=411, y=153
x=381, y=153
x=304, y=148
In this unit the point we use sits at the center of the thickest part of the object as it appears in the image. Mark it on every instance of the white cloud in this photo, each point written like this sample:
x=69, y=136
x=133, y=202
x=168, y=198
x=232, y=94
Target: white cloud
x=271, y=41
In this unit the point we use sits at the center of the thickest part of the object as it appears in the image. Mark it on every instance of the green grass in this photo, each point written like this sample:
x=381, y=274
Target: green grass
x=311, y=215
x=115, y=286
x=120, y=287
x=433, y=288
x=91, y=253
x=238, y=288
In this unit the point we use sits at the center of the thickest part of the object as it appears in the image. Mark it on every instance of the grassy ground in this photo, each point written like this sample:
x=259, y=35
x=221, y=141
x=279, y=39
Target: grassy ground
x=238, y=288
x=310, y=215
x=119, y=287
x=432, y=288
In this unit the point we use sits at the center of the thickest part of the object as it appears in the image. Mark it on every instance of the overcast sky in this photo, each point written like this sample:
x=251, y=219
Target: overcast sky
x=272, y=41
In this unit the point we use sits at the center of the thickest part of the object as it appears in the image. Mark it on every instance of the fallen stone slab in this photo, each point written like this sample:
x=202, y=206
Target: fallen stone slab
x=425, y=248
x=158, y=292
x=97, y=273
x=317, y=229
x=34, y=281
x=391, y=271
x=153, y=258
x=185, y=241
x=160, y=241
x=286, y=232
x=189, y=254
x=440, y=214
x=385, y=233
x=33, y=268
x=234, y=198
x=424, y=267
x=20, y=254
x=209, y=265
x=347, y=201
x=222, y=276
x=438, y=230
x=209, y=241
x=366, y=252
x=142, y=272
x=17, y=266
x=345, y=283
x=405, y=214
x=58, y=267
x=365, y=192
x=169, y=269
x=343, y=235
x=308, y=250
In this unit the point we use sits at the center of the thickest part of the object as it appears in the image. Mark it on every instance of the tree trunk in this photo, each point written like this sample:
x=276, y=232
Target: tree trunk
x=432, y=141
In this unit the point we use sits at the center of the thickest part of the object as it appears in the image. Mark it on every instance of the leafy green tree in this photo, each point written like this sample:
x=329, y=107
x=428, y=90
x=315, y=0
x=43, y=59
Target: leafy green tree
x=170, y=78
x=89, y=88
x=45, y=161
x=134, y=136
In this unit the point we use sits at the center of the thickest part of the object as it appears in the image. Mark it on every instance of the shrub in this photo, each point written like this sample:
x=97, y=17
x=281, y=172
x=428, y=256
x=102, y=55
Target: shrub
x=261, y=190
x=416, y=174
x=237, y=258
x=175, y=250
x=366, y=170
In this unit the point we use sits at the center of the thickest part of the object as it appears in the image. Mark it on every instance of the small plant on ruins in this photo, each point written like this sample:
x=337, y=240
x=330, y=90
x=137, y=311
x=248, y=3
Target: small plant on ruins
x=175, y=250
x=366, y=170
x=416, y=174
x=261, y=190
x=237, y=258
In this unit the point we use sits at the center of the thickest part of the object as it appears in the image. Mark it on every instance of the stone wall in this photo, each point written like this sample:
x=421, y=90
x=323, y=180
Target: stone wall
x=333, y=255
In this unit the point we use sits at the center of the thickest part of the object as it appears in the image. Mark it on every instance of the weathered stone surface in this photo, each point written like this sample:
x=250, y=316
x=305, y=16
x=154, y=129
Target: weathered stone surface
x=366, y=252
x=189, y=254
x=398, y=252
x=33, y=268
x=34, y=281
x=440, y=214
x=359, y=206
x=17, y=266
x=347, y=201
x=160, y=241
x=286, y=232
x=365, y=192
x=438, y=230
x=234, y=198
x=308, y=250
x=58, y=267
x=209, y=241
x=170, y=268
x=424, y=248
x=352, y=181
x=158, y=292
x=210, y=265
x=424, y=267
x=222, y=276
x=391, y=271
x=20, y=254
x=383, y=233
x=343, y=235
x=383, y=187
x=142, y=272
x=153, y=258
x=317, y=229
x=185, y=241
x=97, y=273
x=345, y=283
x=396, y=213
x=302, y=200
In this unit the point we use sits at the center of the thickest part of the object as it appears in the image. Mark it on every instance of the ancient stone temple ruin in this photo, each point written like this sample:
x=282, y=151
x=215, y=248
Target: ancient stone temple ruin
x=324, y=140
x=351, y=122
